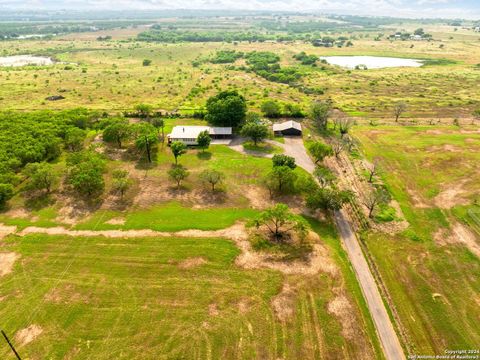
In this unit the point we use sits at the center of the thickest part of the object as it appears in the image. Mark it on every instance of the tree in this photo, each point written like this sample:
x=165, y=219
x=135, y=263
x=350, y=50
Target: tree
x=85, y=173
x=117, y=132
x=280, y=179
x=121, y=182
x=253, y=117
x=271, y=109
x=145, y=138
x=159, y=123
x=146, y=62
x=74, y=138
x=144, y=110
x=337, y=147
x=255, y=131
x=204, y=140
x=344, y=126
x=319, y=151
x=283, y=160
x=212, y=177
x=178, y=148
x=178, y=173
x=227, y=108
x=280, y=221
x=320, y=112
x=374, y=198
x=40, y=176
x=6, y=193
x=328, y=199
x=372, y=171
x=324, y=176
x=398, y=109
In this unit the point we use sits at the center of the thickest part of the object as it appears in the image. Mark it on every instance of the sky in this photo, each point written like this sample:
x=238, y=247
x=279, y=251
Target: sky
x=468, y=9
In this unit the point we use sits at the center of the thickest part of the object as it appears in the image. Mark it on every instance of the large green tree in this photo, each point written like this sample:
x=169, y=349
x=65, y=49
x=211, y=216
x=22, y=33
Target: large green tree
x=320, y=112
x=41, y=176
x=255, y=131
x=227, y=108
x=280, y=221
x=117, y=132
x=319, y=151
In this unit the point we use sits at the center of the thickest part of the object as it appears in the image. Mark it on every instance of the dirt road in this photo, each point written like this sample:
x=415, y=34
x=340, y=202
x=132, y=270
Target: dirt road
x=391, y=345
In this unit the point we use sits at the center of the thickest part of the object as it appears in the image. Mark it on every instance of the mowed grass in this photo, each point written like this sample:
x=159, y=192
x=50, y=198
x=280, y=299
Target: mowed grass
x=434, y=288
x=169, y=217
x=107, y=298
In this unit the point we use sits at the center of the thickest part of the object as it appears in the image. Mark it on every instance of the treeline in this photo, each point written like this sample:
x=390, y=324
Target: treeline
x=16, y=30
x=173, y=36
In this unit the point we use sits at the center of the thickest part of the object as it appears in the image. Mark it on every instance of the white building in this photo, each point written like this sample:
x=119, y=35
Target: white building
x=188, y=134
x=477, y=29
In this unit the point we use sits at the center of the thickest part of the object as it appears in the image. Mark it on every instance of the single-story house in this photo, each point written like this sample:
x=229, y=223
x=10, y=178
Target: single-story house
x=188, y=134
x=477, y=29
x=287, y=128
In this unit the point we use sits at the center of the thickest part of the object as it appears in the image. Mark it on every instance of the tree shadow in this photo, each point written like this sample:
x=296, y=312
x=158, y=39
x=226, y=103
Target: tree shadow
x=39, y=201
x=204, y=155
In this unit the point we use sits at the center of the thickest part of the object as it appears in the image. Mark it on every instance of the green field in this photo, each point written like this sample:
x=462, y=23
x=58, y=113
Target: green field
x=139, y=298
x=434, y=284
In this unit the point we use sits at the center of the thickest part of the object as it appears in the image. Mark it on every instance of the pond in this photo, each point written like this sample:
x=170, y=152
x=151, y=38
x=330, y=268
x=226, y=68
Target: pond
x=23, y=60
x=371, y=62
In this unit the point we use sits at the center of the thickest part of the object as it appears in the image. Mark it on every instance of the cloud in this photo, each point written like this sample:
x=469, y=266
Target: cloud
x=398, y=8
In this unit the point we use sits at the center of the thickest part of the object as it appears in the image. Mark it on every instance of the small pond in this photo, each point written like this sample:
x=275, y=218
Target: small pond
x=371, y=62
x=23, y=60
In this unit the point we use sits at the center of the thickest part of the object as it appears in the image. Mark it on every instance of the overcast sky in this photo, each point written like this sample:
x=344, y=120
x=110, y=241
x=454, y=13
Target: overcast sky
x=407, y=8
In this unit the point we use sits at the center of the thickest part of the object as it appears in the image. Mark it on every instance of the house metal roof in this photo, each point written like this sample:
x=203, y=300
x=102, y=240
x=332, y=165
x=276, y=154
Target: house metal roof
x=191, y=132
x=287, y=125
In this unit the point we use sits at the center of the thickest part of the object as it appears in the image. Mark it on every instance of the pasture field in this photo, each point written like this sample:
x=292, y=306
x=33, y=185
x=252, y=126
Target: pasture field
x=155, y=298
x=109, y=75
x=431, y=269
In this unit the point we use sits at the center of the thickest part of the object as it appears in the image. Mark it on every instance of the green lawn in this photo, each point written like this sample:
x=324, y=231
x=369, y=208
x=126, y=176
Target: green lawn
x=135, y=298
x=170, y=217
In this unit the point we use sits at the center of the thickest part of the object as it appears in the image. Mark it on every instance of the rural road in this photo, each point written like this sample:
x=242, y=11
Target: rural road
x=391, y=345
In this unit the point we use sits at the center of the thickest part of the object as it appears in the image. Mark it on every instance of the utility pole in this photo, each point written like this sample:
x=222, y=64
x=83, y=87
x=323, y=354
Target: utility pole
x=11, y=345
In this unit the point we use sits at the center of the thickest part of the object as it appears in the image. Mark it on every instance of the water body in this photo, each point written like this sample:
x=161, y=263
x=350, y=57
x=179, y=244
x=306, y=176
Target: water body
x=371, y=62
x=23, y=60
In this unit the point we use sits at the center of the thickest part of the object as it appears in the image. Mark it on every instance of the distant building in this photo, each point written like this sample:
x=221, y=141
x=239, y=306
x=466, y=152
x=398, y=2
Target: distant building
x=477, y=29
x=416, y=37
x=188, y=134
x=287, y=128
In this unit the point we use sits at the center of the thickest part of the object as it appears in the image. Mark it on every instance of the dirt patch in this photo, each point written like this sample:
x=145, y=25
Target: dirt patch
x=452, y=196
x=66, y=295
x=342, y=309
x=6, y=262
x=28, y=334
x=459, y=234
x=394, y=227
x=191, y=263
x=284, y=303
x=213, y=310
x=417, y=200
x=6, y=230
x=445, y=148
x=116, y=221
x=244, y=305
x=257, y=197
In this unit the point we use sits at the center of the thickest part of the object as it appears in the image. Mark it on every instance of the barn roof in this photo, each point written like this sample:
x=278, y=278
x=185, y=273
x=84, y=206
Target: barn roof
x=191, y=132
x=287, y=125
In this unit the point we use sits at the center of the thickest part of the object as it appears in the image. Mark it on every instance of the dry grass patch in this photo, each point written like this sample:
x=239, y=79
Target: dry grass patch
x=7, y=260
x=27, y=335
